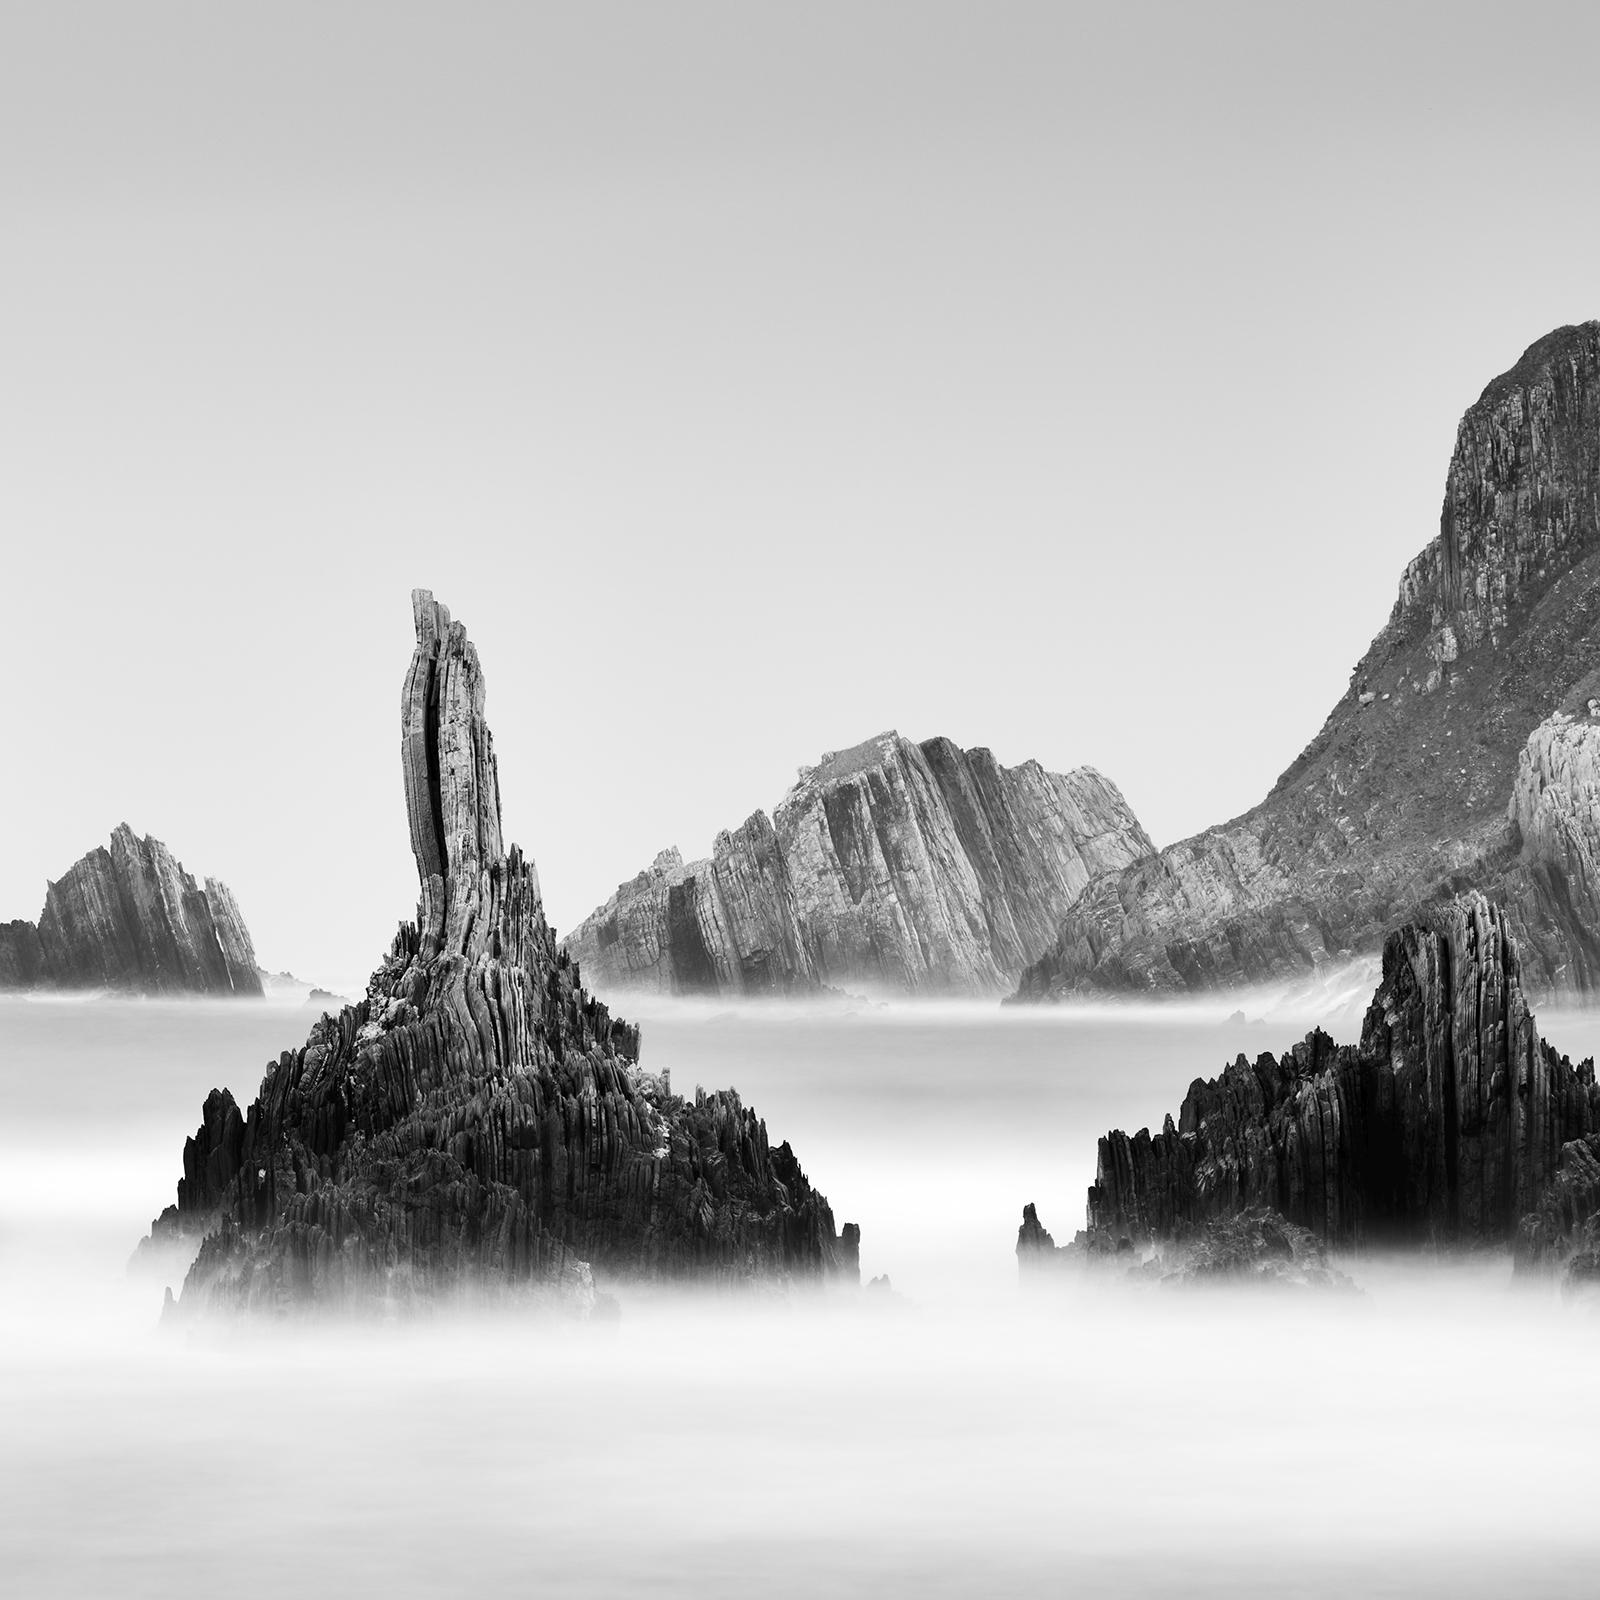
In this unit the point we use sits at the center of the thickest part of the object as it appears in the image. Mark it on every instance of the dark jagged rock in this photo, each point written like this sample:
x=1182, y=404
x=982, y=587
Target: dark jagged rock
x=1464, y=754
x=478, y=1123
x=129, y=918
x=1033, y=1238
x=1563, y=1234
x=922, y=868
x=1446, y=1124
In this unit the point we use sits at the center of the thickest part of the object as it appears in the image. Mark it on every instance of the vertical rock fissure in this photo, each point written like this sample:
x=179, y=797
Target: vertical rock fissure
x=1452, y=1110
x=430, y=754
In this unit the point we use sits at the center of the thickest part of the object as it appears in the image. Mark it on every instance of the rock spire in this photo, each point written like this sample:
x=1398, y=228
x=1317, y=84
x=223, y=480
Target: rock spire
x=478, y=1124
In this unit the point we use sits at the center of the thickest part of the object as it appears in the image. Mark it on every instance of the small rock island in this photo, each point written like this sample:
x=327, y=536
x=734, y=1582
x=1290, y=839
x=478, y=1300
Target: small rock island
x=129, y=919
x=477, y=1125
x=1452, y=1123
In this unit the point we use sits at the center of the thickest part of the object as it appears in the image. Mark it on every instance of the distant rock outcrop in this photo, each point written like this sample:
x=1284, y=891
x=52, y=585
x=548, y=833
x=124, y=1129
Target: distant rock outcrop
x=129, y=918
x=920, y=868
x=1442, y=768
x=1447, y=1124
x=477, y=1124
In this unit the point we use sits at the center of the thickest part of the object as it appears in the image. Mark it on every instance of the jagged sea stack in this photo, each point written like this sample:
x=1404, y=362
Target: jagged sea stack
x=1448, y=1124
x=478, y=1123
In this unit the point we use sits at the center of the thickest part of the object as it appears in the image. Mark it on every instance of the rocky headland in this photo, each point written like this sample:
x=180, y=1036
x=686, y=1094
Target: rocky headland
x=1451, y=1123
x=128, y=918
x=911, y=868
x=1465, y=753
x=478, y=1125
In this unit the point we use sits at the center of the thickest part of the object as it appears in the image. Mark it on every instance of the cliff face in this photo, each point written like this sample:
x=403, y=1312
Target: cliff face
x=921, y=868
x=1409, y=792
x=1553, y=890
x=1448, y=1123
x=128, y=917
x=21, y=959
x=477, y=1124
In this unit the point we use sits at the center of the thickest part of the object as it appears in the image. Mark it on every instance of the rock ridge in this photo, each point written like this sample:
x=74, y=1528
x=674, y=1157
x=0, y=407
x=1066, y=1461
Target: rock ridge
x=916, y=868
x=478, y=1124
x=1414, y=788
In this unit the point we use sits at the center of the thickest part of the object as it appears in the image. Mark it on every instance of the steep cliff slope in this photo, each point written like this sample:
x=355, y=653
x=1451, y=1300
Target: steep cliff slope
x=128, y=917
x=1451, y=1121
x=923, y=868
x=477, y=1124
x=1409, y=792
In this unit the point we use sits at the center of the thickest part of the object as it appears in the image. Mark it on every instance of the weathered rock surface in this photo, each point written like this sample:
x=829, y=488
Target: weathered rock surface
x=1415, y=787
x=1563, y=1235
x=892, y=865
x=1446, y=1124
x=1553, y=889
x=477, y=1124
x=21, y=957
x=1257, y=1247
x=129, y=918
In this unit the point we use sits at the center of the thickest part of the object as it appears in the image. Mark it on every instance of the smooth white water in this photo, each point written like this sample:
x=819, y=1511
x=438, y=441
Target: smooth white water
x=1434, y=1436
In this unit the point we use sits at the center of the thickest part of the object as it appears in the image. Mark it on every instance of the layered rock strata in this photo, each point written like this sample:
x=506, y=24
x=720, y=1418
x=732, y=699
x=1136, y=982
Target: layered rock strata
x=1552, y=890
x=1446, y=1124
x=129, y=918
x=891, y=865
x=1417, y=785
x=478, y=1124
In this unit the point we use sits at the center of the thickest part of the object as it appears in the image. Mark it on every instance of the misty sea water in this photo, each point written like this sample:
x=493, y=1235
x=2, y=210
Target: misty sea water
x=1432, y=1435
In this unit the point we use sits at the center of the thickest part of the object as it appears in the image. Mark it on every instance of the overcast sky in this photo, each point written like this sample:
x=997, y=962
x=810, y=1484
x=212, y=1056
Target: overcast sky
x=749, y=379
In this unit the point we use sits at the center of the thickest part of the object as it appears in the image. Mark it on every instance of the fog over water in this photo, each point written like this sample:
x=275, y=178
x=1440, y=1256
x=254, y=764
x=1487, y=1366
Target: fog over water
x=1433, y=1435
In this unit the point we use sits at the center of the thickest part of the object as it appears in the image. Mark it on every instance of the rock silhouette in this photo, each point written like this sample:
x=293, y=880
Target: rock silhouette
x=129, y=918
x=1460, y=757
x=1447, y=1124
x=912, y=867
x=478, y=1124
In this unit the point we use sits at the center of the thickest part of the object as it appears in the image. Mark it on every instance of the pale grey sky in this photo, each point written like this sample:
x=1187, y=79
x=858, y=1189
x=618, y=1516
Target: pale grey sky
x=1073, y=381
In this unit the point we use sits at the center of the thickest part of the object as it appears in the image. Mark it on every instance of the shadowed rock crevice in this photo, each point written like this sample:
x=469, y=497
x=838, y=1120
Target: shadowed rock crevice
x=478, y=1124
